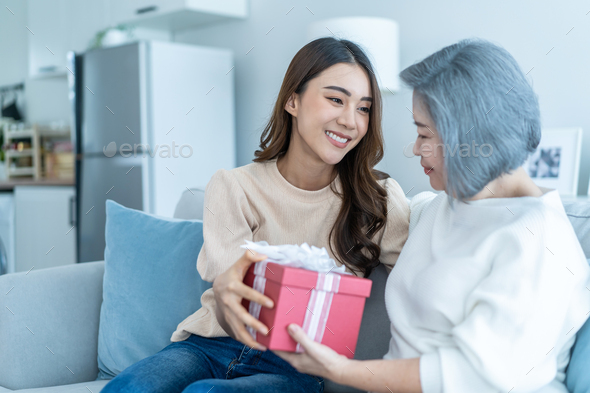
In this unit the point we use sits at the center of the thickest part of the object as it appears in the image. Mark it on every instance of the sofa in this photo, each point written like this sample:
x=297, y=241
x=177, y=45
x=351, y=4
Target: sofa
x=51, y=323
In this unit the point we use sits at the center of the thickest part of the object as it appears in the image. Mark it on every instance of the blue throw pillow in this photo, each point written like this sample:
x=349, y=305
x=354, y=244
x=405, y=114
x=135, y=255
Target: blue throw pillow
x=151, y=284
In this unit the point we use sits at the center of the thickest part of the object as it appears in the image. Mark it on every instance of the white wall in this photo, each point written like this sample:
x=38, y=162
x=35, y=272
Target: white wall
x=526, y=28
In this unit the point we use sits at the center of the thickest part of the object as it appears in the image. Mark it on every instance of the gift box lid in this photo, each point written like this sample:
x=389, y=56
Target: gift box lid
x=303, y=278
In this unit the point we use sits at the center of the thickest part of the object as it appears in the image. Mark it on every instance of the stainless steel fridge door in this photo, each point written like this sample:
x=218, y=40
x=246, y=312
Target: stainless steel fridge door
x=113, y=97
x=117, y=178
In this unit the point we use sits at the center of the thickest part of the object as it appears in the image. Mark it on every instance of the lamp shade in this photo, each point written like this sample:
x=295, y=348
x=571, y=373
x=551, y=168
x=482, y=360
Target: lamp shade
x=379, y=38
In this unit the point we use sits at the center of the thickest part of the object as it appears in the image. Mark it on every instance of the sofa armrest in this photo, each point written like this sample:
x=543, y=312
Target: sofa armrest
x=49, y=325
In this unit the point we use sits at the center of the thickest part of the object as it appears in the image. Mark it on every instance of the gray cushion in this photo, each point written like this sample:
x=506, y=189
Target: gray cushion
x=61, y=307
x=579, y=215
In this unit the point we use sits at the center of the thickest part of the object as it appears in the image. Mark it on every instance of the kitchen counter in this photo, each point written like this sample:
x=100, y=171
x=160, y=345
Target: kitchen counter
x=8, y=185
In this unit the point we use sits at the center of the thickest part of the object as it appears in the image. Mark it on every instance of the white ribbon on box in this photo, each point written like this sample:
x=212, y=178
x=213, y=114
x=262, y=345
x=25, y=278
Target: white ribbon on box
x=307, y=257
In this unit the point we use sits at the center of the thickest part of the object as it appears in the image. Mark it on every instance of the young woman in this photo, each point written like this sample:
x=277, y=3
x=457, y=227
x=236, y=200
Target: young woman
x=313, y=180
x=491, y=286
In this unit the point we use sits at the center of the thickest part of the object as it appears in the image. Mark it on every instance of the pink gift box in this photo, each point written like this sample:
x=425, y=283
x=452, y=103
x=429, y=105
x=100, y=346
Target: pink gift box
x=329, y=307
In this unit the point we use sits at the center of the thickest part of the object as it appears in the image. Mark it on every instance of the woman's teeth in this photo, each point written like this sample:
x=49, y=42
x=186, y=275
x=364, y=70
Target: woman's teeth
x=336, y=138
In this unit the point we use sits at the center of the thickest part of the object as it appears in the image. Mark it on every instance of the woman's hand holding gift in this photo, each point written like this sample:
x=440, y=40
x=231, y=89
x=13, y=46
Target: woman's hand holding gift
x=229, y=291
x=379, y=375
x=318, y=359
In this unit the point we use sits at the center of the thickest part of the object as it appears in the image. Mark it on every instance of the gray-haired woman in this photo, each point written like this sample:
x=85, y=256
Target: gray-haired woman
x=490, y=288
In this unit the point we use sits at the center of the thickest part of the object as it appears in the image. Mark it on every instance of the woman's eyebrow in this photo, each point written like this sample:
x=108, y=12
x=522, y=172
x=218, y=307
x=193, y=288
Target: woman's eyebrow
x=423, y=125
x=343, y=90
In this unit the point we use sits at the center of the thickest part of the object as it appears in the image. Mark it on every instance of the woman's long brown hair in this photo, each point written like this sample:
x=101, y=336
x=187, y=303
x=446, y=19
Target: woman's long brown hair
x=364, y=200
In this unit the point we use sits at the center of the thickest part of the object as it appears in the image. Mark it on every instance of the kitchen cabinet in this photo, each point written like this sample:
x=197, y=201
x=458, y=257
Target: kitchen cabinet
x=46, y=24
x=58, y=26
x=176, y=15
x=45, y=233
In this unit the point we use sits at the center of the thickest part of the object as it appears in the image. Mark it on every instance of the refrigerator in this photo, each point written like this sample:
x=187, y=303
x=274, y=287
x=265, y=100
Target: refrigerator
x=150, y=120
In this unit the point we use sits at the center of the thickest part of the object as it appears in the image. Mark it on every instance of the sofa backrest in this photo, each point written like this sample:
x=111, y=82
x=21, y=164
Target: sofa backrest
x=190, y=206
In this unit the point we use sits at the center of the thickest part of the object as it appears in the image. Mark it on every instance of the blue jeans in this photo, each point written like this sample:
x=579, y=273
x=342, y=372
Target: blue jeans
x=218, y=364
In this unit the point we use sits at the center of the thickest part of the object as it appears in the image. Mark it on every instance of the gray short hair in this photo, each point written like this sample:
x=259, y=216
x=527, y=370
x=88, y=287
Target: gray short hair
x=476, y=92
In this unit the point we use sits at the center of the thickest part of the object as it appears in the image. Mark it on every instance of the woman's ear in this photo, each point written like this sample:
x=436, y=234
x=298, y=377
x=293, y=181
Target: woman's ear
x=292, y=105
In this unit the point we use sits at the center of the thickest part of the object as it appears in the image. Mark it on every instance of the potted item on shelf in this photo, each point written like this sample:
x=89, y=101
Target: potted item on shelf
x=112, y=36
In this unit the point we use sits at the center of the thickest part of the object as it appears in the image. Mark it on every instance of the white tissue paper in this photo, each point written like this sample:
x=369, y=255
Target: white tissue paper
x=304, y=256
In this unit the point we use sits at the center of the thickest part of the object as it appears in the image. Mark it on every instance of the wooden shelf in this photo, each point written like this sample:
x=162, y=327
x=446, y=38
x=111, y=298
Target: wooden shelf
x=41, y=131
x=20, y=171
x=54, y=133
x=19, y=153
x=27, y=133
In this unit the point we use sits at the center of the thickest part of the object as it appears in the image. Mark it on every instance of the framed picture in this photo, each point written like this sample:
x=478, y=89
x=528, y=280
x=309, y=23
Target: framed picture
x=556, y=163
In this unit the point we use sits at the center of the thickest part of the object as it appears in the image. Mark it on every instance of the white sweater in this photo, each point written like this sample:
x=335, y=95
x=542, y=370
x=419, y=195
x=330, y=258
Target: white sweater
x=489, y=295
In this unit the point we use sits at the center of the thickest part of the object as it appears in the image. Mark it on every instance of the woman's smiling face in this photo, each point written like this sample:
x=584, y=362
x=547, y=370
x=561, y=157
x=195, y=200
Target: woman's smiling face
x=428, y=144
x=332, y=115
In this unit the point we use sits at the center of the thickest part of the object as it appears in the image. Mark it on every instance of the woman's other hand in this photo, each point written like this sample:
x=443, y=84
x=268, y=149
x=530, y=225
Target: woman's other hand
x=318, y=359
x=229, y=290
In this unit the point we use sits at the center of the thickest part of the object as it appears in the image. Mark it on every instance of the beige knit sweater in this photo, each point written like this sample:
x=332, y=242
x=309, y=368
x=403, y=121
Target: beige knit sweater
x=256, y=202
